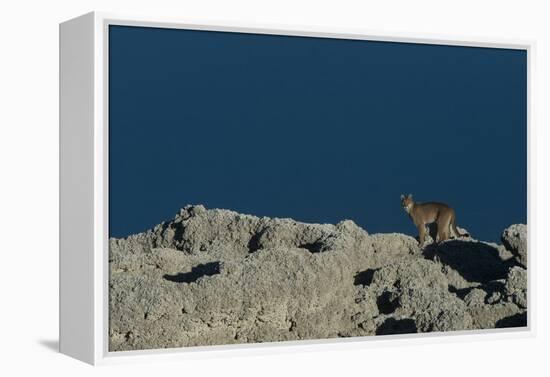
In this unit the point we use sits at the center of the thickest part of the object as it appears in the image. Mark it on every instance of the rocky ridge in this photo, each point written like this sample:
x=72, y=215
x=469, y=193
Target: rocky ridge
x=215, y=276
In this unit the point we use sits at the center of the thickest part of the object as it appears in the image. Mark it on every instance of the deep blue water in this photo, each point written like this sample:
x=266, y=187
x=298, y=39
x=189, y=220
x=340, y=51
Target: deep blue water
x=315, y=129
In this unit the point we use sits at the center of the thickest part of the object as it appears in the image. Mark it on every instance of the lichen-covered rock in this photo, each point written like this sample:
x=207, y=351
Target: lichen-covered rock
x=219, y=277
x=514, y=238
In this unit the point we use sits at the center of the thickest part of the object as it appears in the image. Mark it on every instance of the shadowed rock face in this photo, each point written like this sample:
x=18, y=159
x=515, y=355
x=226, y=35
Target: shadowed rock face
x=514, y=238
x=219, y=277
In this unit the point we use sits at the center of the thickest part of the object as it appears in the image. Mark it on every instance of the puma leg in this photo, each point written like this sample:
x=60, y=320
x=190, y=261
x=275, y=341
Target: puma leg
x=421, y=234
x=443, y=227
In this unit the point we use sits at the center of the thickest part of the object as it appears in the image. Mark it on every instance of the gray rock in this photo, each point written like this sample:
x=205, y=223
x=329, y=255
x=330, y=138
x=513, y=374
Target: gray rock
x=514, y=238
x=515, y=287
x=489, y=316
x=219, y=277
x=418, y=292
x=497, y=303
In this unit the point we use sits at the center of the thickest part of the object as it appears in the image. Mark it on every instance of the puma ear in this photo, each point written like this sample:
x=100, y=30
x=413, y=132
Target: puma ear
x=410, y=196
x=402, y=196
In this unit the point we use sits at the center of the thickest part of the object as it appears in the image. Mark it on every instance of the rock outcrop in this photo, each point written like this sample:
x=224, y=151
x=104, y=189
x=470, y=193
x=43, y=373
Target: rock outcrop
x=514, y=238
x=211, y=277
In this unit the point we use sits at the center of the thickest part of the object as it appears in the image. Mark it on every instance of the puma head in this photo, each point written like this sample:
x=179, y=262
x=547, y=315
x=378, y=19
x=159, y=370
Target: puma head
x=407, y=202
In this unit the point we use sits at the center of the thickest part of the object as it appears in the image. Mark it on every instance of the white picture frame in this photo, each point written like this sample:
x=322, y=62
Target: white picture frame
x=84, y=190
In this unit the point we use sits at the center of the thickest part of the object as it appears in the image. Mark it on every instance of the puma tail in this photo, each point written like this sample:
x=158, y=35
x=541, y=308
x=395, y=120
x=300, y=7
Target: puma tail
x=455, y=229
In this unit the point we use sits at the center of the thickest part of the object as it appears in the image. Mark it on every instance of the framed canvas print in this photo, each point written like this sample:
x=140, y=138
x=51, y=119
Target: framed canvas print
x=236, y=188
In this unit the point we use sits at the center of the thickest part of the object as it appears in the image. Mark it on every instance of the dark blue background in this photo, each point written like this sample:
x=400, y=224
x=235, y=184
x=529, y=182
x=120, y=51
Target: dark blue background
x=315, y=129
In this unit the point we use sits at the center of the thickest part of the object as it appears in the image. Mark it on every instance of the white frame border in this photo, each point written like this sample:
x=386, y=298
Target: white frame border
x=100, y=232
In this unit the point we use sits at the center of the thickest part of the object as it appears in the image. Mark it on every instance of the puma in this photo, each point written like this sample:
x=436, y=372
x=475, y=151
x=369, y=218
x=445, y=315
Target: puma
x=423, y=214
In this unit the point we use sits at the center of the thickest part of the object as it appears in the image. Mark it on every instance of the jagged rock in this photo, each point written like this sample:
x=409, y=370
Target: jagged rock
x=487, y=307
x=218, y=277
x=515, y=287
x=419, y=292
x=514, y=238
x=488, y=316
x=475, y=298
